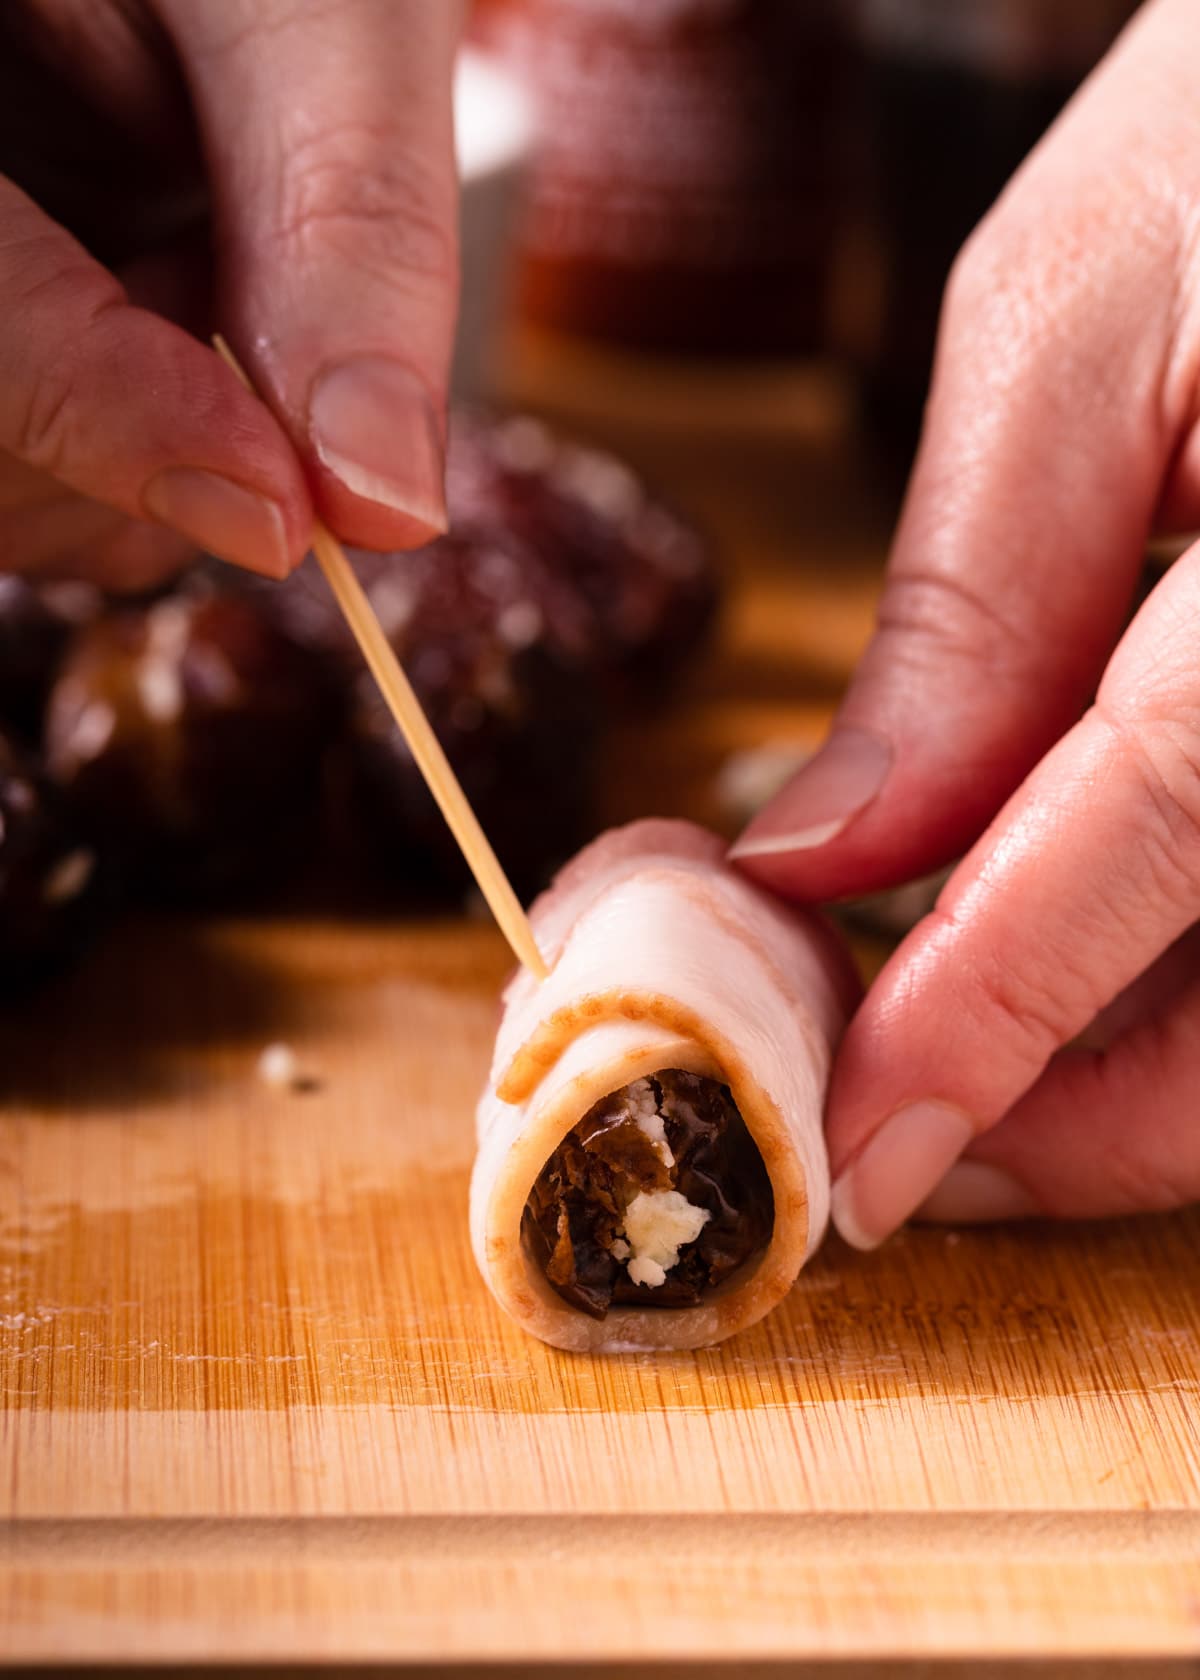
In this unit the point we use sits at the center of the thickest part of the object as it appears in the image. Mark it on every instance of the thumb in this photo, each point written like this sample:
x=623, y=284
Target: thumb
x=1010, y=575
x=1060, y=393
x=330, y=141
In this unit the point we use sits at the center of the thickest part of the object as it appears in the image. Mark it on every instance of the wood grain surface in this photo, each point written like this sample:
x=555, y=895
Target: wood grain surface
x=256, y=1405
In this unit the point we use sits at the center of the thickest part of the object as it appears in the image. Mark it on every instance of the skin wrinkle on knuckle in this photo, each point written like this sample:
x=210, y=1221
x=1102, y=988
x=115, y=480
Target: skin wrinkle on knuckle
x=329, y=195
x=253, y=26
x=1033, y=1003
x=30, y=252
x=939, y=616
x=1038, y=1012
x=50, y=299
x=1156, y=1168
x=1163, y=756
x=44, y=422
x=1154, y=150
x=1142, y=1180
x=1166, y=762
x=1153, y=670
x=1135, y=1171
x=41, y=423
x=1036, y=281
x=38, y=265
x=59, y=296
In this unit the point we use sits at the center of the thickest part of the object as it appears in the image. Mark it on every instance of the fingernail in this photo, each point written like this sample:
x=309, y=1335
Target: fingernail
x=911, y=1152
x=225, y=518
x=373, y=427
x=824, y=797
x=975, y=1193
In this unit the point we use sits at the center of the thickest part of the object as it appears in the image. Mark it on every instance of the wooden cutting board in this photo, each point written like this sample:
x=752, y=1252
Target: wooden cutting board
x=255, y=1404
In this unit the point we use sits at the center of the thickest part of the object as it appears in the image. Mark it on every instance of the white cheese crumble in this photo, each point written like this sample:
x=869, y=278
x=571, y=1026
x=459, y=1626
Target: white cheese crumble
x=619, y=1249
x=658, y=1223
x=278, y=1067
x=644, y=1109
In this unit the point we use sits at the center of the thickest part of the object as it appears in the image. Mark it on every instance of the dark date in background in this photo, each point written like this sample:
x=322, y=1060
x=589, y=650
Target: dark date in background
x=208, y=745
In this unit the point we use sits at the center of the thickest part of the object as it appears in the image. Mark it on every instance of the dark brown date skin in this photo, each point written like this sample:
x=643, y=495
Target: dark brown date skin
x=496, y=648
x=644, y=575
x=36, y=625
x=625, y=588
x=577, y=1204
x=495, y=652
x=562, y=591
x=187, y=736
x=51, y=891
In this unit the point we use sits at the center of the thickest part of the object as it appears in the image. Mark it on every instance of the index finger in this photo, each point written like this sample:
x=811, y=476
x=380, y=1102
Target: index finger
x=329, y=134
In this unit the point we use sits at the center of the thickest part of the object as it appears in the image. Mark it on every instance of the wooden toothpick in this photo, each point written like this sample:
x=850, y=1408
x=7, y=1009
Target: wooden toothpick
x=424, y=745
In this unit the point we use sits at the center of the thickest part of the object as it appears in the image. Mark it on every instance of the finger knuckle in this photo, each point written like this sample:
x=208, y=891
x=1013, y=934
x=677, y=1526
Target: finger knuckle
x=1140, y=1181
x=1165, y=761
x=36, y=401
x=62, y=301
x=352, y=179
x=938, y=616
x=1024, y=279
x=1035, y=1018
x=1014, y=997
x=223, y=34
x=41, y=422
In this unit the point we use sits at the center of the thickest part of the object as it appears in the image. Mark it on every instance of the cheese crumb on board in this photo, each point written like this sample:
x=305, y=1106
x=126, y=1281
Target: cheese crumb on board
x=281, y=1069
x=278, y=1067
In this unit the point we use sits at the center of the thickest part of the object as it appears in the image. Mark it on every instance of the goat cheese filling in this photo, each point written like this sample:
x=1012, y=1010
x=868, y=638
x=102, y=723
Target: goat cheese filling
x=655, y=1198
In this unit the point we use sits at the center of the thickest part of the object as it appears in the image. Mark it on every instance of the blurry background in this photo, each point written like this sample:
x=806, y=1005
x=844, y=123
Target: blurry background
x=704, y=244
x=775, y=179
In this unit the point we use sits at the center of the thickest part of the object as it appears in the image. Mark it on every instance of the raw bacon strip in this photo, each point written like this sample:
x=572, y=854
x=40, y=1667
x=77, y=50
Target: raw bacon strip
x=661, y=957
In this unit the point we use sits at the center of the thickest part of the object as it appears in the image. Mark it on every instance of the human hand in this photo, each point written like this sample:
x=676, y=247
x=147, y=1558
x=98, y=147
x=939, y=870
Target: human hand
x=319, y=141
x=1062, y=427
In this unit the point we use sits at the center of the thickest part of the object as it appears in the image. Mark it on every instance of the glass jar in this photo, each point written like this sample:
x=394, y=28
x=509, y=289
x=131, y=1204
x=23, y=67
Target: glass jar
x=684, y=186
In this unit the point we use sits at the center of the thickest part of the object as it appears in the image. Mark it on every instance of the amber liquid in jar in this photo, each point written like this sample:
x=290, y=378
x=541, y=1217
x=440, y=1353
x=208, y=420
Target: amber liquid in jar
x=684, y=187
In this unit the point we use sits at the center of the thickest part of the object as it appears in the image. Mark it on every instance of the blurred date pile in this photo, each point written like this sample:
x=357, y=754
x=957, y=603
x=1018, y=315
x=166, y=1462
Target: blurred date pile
x=211, y=743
